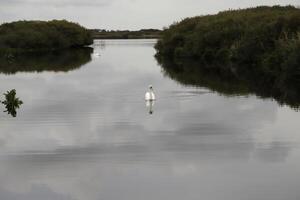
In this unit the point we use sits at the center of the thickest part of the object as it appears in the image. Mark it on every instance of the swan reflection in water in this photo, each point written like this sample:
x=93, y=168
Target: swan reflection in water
x=150, y=105
x=11, y=102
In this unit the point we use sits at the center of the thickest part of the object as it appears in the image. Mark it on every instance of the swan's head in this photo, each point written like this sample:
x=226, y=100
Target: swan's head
x=150, y=87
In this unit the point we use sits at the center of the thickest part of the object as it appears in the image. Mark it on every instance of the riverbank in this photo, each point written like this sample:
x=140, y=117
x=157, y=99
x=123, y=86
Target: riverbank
x=30, y=36
x=259, y=45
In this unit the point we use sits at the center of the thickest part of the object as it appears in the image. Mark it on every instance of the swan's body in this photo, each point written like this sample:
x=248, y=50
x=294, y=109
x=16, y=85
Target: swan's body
x=150, y=96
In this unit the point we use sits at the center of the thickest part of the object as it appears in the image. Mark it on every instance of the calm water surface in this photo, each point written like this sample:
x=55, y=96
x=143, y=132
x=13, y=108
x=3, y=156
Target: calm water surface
x=84, y=132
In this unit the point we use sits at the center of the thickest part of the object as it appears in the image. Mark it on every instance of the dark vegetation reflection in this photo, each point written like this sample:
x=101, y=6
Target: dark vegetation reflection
x=57, y=61
x=11, y=102
x=233, y=82
x=235, y=53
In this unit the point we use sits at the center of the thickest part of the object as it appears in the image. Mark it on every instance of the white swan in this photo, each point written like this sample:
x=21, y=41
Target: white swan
x=150, y=96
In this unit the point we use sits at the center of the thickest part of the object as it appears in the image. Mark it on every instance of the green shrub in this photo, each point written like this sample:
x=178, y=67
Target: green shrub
x=244, y=37
x=258, y=46
x=42, y=35
x=11, y=102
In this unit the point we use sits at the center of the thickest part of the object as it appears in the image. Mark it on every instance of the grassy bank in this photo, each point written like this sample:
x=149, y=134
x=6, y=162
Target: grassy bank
x=264, y=40
x=23, y=36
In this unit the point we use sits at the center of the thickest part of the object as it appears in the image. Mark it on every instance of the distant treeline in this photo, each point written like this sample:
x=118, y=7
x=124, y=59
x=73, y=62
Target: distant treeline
x=42, y=35
x=125, y=34
x=263, y=41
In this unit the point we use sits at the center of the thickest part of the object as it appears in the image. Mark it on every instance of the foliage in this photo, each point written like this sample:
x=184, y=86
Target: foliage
x=258, y=46
x=42, y=35
x=264, y=40
x=11, y=102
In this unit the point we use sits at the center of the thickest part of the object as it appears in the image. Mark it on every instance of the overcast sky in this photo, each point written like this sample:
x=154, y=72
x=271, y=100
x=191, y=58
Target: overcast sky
x=121, y=14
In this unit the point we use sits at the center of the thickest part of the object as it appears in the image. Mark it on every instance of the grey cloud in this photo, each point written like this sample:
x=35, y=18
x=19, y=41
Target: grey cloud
x=121, y=14
x=58, y=3
x=277, y=151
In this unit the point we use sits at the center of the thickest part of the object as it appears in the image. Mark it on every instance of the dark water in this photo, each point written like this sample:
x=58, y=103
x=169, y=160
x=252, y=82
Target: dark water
x=84, y=132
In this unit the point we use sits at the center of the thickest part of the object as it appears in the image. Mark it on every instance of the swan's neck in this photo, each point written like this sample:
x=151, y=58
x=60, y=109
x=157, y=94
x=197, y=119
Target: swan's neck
x=151, y=94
